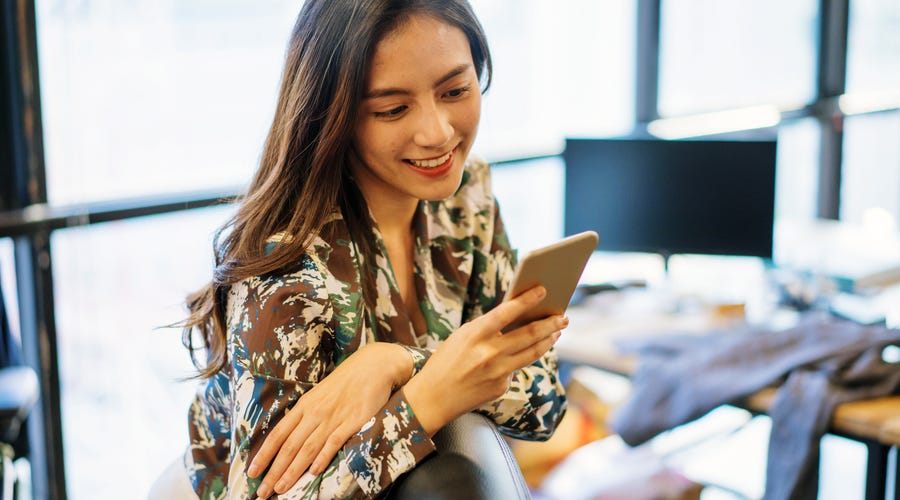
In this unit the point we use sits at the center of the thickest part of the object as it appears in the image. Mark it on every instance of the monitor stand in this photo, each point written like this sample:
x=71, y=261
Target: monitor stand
x=665, y=254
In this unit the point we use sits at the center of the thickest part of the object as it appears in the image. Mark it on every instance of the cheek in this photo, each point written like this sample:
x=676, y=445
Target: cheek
x=371, y=140
x=473, y=115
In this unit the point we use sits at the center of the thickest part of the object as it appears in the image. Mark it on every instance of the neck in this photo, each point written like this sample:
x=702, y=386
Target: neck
x=394, y=217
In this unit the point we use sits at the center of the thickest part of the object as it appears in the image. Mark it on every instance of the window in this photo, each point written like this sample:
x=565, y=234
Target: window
x=8, y=284
x=797, y=175
x=870, y=177
x=870, y=183
x=117, y=284
x=718, y=54
x=873, y=46
x=530, y=194
x=561, y=69
x=164, y=96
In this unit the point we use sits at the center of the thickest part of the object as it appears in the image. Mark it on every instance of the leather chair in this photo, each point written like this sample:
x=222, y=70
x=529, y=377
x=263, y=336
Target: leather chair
x=472, y=462
x=18, y=394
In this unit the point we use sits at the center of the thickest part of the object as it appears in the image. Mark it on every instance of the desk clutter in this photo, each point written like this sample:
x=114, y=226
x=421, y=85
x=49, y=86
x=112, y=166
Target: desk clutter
x=820, y=363
x=809, y=371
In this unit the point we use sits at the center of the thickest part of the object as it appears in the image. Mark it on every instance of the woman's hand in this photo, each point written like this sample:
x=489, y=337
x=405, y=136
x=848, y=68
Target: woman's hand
x=315, y=429
x=474, y=365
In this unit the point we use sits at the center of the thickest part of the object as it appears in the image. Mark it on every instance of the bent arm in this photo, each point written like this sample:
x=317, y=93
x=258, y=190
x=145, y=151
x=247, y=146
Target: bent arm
x=281, y=344
x=534, y=403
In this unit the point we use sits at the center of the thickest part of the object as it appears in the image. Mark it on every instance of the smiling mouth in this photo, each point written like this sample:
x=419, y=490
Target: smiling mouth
x=436, y=162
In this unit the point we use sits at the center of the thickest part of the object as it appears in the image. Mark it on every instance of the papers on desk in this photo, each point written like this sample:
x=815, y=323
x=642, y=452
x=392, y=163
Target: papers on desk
x=856, y=258
x=866, y=277
x=861, y=309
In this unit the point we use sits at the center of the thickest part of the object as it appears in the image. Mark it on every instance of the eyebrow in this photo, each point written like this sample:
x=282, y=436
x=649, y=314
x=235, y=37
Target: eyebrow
x=372, y=94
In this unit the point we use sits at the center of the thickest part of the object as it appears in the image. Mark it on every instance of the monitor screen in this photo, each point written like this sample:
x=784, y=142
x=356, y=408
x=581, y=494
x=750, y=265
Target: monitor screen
x=691, y=196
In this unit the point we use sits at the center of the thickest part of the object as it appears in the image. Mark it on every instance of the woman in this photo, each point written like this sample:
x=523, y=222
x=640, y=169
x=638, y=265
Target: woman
x=356, y=305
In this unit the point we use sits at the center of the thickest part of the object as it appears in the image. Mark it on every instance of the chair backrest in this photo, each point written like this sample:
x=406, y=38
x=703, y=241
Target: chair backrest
x=472, y=462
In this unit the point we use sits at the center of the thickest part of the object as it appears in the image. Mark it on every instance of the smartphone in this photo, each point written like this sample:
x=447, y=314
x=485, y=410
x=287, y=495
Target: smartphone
x=558, y=267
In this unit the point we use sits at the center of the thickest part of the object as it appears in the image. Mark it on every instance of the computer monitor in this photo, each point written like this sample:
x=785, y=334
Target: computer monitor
x=670, y=197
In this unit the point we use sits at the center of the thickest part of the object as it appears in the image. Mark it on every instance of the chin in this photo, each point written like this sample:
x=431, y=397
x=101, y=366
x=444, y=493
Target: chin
x=448, y=185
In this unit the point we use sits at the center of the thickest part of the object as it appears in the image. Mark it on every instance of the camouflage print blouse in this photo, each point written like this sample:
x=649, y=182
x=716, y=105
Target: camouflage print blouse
x=288, y=331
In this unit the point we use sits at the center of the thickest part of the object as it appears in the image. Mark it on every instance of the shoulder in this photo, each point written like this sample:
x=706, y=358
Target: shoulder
x=298, y=291
x=303, y=288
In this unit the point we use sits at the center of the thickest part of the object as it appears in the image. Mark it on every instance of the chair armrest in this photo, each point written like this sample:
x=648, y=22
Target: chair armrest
x=472, y=461
x=18, y=394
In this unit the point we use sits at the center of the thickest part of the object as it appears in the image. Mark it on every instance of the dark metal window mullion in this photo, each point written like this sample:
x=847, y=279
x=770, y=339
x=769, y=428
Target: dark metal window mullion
x=40, y=351
x=646, y=99
x=831, y=82
x=23, y=167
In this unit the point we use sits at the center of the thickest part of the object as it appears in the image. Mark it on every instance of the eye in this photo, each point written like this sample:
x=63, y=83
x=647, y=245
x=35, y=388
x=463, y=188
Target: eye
x=457, y=93
x=391, y=113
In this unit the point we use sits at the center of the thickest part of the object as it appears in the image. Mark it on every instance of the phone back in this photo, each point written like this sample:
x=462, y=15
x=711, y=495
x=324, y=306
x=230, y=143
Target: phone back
x=558, y=268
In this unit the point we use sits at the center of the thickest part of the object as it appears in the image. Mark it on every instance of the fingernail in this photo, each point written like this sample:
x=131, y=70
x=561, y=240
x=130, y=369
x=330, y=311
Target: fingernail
x=563, y=321
x=281, y=486
x=253, y=471
x=263, y=491
x=540, y=292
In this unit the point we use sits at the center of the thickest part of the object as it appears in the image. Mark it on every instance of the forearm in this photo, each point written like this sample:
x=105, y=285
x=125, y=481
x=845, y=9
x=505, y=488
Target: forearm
x=432, y=407
x=387, y=445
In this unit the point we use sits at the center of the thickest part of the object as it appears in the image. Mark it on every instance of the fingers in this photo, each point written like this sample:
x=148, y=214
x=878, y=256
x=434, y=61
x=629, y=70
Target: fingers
x=534, y=352
x=272, y=443
x=334, y=443
x=294, y=452
x=299, y=461
x=536, y=331
x=507, y=311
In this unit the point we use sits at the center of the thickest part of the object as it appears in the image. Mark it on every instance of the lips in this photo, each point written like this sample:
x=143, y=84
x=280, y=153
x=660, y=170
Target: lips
x=432, y=163
x=434, y=167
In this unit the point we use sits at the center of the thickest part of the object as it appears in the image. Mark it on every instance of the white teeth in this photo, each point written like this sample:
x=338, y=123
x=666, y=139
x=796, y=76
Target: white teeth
x=431, y=163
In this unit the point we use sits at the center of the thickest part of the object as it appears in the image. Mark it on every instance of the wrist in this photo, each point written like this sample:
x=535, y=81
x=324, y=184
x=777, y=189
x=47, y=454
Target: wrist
x=398, y=362
x=429, y=409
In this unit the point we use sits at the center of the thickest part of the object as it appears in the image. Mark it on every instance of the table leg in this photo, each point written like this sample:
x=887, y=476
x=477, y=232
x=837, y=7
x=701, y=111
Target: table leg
x=876, y=470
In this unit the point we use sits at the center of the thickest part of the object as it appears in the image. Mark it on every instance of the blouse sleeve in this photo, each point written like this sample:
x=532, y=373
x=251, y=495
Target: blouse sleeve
x=535, y=401
x=281, y=345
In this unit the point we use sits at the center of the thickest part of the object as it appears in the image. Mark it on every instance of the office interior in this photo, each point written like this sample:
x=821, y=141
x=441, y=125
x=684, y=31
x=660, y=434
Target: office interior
x=128, y=126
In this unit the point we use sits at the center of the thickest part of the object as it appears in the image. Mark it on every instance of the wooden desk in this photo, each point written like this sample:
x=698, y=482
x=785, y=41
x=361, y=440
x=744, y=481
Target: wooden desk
x=890, y=436
x=595, y=327
x=890, y=431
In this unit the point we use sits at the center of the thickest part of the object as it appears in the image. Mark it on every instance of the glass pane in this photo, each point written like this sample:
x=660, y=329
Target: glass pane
x=870, y=177
x=530, y=194
x=8, y=285
x=152, y=96
x=873, y=46
x=797, y=181
x=717, y=54
x=560, y=69
x=796, y=186
x=117, y=285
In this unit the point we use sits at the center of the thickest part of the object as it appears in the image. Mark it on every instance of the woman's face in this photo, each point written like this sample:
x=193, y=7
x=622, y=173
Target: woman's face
x=419, y=116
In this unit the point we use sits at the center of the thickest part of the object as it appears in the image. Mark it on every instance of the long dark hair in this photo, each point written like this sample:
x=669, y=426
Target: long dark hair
x=304, y=167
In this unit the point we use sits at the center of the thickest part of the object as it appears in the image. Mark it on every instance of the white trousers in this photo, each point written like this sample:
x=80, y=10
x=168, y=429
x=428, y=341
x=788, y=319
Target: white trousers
x=173, y=483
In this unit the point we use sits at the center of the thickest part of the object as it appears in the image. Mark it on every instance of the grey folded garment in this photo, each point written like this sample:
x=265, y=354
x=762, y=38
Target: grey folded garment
x=821, y=362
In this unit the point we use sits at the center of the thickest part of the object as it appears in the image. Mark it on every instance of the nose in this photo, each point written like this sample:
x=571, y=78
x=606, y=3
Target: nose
x=434, y=128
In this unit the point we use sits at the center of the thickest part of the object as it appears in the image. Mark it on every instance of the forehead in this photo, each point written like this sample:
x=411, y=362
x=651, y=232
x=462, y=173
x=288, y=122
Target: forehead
x=422, y=47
